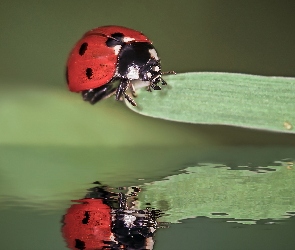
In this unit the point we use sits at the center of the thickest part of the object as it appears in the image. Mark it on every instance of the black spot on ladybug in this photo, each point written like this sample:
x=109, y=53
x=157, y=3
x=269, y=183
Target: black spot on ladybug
x=79, y=244
x=83, y=49
x=87, y=217
x=115, y=39
x=89, y=73
x=118, y=36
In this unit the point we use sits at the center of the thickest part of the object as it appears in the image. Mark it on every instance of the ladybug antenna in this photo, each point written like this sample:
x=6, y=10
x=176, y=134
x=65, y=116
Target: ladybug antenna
x=169, y=73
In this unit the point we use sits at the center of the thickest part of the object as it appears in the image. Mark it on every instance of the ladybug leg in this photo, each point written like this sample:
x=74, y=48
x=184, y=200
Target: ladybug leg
x=121, y=90
x=149, y=88
x=131, y=86
x=122, y=201
x=153, y=86
x=163, y=82
x=97, y=94
x=167, y=73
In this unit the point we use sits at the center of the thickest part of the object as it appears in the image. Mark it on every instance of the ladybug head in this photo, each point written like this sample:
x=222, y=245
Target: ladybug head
x=139, y=60
x=151, y=71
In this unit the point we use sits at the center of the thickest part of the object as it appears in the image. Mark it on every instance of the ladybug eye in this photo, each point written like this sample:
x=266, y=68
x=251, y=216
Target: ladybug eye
x=83, y=48
x=89, y=73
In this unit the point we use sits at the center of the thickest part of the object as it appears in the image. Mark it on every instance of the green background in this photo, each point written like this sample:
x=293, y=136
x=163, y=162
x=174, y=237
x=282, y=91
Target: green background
x=53, y=144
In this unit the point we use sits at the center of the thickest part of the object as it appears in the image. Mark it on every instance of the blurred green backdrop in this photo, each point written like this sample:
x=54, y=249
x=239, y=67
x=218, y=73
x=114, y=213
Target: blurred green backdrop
x=245, y=37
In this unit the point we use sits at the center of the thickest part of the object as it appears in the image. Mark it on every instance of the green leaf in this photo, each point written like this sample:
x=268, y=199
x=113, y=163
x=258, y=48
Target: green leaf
x=250, y=101
x=218, y=191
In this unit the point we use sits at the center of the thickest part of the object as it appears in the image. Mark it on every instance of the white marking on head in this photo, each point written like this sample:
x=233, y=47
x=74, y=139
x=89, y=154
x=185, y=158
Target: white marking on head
x=156, y=68
x=154, y=54
x=128, y=220
x=149, y=74
x=127, y=39
x=117, y=49
x=133, y=73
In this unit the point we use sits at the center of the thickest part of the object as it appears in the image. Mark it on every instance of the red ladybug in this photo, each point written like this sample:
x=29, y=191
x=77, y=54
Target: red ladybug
x=87, y=225
x=110, y=53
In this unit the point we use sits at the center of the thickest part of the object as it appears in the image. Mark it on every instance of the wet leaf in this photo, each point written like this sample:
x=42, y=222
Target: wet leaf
x=250, y=101
x=243, y=194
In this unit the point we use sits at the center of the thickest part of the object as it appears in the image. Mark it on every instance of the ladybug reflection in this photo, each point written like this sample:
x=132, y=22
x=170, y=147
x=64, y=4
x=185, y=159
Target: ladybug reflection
x=110, y=53
x=106, y=220
x=87, y=224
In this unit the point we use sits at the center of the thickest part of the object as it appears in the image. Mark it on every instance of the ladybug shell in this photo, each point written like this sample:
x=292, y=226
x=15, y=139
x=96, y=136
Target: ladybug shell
x=87, y=224
x=92, y=63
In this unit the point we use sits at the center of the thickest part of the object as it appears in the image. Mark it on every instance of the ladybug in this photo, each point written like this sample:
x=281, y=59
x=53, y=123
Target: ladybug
x=87, y=224
x=110, y=53
x=109, y=220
